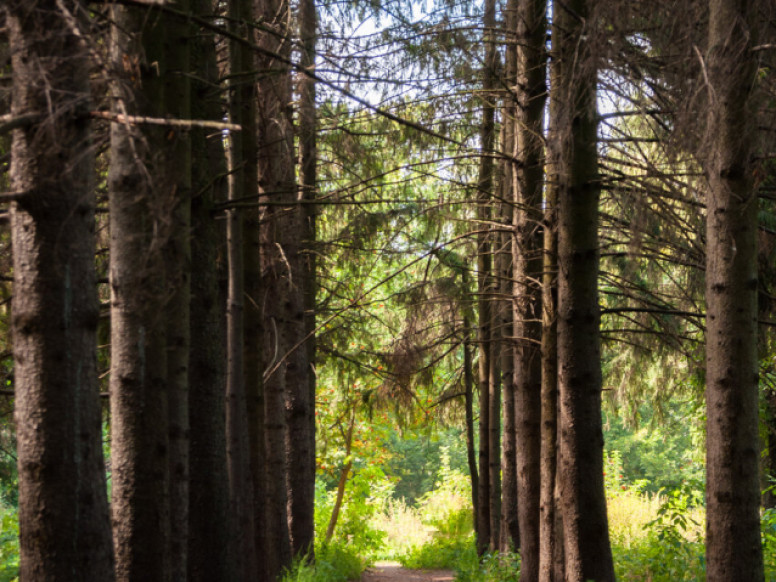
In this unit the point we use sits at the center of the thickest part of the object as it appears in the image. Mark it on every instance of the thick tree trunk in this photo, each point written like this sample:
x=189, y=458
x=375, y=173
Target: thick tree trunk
x=588, y=554
x=209, y=543
x=177, y=104
x=733, y=545
x=241, y=480
x=141, y=199
x=282, y=299
x=63, y=512
x=531, y=96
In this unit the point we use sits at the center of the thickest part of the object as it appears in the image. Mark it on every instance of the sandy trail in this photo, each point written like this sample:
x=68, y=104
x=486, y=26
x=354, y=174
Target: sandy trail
x=393, y=572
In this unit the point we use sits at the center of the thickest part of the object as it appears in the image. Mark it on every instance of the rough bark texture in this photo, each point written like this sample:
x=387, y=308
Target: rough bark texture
x=588, y=554
x=302, y=450
x=549, y=534
x=209, y=532
x=733, y=547
x=532, y=89
x=177, y=104
x=140, y=205
x=282, y=299
x=486, y=516
x=510, y=529
x=238, y=443
x=63, y=512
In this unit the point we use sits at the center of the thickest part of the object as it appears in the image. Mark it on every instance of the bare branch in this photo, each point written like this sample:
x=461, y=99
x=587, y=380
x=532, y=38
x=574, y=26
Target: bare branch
x=139, y=120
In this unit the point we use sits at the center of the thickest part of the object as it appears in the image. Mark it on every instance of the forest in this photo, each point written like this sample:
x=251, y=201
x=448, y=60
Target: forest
x=289, y=289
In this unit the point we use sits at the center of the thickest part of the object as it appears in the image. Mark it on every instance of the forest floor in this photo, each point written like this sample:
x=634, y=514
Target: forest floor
x=393, y=572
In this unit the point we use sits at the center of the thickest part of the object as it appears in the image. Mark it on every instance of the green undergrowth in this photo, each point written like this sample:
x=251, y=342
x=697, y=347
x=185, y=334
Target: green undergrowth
x=9, y=543
x=333, y=563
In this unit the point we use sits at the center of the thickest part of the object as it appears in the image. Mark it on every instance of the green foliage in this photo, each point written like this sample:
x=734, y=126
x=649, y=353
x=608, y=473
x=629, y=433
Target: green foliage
x=333, y=563
x=671, y=548
x=490, y=568
x=768, y=528
x=659, y=561
x=9, y=543
x=440, y=553
x=447, y=508
x=365, y=494
x=416, y=459
x=447, y=514
x=657, y=455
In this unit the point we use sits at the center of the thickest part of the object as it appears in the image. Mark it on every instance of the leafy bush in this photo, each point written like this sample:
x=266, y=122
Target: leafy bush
x=447, y=508
x=670, y=547
x=333, y=563
x=491, y=568
x=439, y=554
x=365, y=495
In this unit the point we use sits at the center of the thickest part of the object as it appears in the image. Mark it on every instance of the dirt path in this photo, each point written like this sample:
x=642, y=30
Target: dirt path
x=393, y=572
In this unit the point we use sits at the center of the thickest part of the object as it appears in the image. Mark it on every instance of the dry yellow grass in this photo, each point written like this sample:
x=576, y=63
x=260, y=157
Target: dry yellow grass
x=629, y=513
x=402, y=526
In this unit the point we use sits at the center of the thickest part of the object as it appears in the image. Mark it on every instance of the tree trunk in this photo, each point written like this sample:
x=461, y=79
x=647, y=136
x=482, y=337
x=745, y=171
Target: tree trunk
x=588, y=554
x=282, y=299
x=177, y=104
x=468, y=379
x=733, y=545
x=209, y=543
x=485, y=288
x=238, y=432
x=63, y=511
x=550, y=538
x=302, y=421
x=141, y=199
x=531, y=69
x=510, y=534
x=342, y=483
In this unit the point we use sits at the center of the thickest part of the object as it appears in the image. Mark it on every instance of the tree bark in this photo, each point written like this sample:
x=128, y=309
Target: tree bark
x=241, y=479
x=282, y=299
x=63, y=511
x=531, y=96
x=733, y=544
x=510, y=534
x=209, y=542
x=302, y=421
x=588, y=554
x=141, y=199
x=177, y=104
x=550, y=536
x=486, y=536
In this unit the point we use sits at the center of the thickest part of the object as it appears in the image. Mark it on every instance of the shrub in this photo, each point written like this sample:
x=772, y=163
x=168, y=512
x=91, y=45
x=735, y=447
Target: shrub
x=439, y=554
x=491, y=568
x=333, y=563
